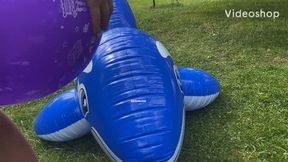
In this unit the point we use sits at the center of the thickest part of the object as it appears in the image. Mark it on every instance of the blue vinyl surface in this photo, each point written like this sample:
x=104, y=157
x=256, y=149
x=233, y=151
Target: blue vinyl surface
x=122, y=15
x=130, y=95
x=196, y=82
x=135, y=103
x=59, y=113
x=200, y=88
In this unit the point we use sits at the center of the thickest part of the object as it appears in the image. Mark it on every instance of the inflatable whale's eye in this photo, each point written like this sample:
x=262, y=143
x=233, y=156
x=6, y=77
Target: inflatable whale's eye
x=83, y=99
x=178, y=78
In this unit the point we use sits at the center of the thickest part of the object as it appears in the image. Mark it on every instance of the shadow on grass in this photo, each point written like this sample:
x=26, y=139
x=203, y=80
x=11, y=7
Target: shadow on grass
x=86, y=144
x=205, y=132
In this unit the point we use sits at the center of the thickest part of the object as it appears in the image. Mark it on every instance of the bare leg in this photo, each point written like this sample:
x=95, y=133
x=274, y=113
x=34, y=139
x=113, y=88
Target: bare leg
x=13, y=146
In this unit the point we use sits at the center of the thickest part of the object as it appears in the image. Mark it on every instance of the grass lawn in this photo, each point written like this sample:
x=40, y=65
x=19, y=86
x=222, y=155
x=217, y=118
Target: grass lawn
x=249, y=120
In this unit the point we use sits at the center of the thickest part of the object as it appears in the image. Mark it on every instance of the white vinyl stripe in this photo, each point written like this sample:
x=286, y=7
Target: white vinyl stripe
x=114, y=157
x=104, y=146
x=198, y=102
x=71, y=132
x=180, y=142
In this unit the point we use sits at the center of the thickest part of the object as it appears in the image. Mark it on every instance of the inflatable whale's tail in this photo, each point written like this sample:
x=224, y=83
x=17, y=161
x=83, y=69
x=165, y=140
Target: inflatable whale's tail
x=62, y=119
x=122, y=15
x=200, y=88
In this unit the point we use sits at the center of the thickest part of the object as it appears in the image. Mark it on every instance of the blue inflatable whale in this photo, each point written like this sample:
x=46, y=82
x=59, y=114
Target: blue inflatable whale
x=131, y=99
x=130, y=96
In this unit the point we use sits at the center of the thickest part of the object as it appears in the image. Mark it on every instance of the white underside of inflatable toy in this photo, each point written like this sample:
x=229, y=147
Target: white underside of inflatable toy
x=74, y=131
x=197, y=102
x=114, y=157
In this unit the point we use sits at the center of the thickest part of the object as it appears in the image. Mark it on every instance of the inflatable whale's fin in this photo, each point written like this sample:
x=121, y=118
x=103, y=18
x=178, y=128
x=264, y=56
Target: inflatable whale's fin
x=62, y=119
x=200, y=88
x=122, y=15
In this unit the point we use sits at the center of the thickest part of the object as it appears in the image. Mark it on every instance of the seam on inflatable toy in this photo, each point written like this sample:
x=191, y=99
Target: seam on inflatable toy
x=104, y=146
x=196, y=102
x=180, y=142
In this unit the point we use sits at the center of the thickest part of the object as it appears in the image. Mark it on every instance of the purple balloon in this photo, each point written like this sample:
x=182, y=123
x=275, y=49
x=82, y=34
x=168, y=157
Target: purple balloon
x=44, y=44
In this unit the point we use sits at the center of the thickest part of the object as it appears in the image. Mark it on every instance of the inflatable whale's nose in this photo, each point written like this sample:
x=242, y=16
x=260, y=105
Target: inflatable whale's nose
x=134, y=100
